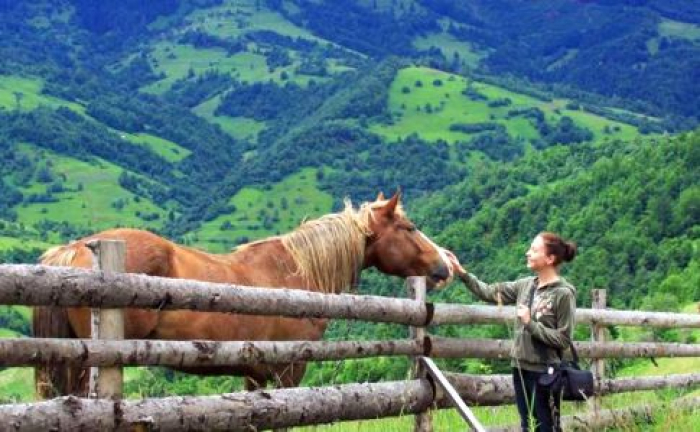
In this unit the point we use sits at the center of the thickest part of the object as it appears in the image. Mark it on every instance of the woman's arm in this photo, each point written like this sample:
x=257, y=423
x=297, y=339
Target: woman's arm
x=500, y=292
x=559, y=337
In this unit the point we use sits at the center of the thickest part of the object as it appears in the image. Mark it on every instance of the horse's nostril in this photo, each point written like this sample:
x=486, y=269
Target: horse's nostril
x=441, y=272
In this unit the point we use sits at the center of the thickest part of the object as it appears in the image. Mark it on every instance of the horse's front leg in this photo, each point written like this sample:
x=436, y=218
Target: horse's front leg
x=289, y=376
x=282, y=376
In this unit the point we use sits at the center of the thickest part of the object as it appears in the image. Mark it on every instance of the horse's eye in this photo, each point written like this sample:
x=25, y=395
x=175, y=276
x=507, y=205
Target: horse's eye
x=411, y=228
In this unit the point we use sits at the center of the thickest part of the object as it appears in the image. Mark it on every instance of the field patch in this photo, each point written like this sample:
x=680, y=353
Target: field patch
x=166, y=149
x=450, y=46
x=25, y=94
x=261, y=212
x=241, y=128
x=433, y=104
x=89, y=196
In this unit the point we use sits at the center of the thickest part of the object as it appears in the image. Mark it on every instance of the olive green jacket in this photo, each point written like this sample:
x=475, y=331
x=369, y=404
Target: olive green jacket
x=552, y=317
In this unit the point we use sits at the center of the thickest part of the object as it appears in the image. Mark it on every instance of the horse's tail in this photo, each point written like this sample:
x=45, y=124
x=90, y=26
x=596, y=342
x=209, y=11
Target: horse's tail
x=56, y=379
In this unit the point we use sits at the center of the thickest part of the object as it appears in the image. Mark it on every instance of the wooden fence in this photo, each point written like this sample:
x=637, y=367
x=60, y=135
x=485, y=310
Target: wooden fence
x=33, y=285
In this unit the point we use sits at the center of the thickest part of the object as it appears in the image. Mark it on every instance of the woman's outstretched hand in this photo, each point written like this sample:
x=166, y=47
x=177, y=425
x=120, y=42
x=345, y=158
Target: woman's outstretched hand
x=455, y=266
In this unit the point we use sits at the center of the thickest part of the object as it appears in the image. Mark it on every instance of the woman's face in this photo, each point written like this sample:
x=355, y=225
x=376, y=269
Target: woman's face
x=537, y=258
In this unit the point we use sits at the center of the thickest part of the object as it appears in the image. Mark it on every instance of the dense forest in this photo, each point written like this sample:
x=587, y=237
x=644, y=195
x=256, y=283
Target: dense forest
x=210, y=121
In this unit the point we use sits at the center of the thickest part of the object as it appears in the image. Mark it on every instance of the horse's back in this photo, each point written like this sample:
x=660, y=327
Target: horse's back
x=146, y=253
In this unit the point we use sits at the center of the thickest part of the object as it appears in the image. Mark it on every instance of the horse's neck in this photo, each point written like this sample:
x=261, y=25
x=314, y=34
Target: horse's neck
x=269, y=263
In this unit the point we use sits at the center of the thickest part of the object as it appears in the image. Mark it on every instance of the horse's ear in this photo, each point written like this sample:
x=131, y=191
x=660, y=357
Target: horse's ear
x=380, y=196
x=390, y=207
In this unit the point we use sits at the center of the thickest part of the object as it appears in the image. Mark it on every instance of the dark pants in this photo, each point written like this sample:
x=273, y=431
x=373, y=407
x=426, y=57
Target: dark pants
x=536, y=401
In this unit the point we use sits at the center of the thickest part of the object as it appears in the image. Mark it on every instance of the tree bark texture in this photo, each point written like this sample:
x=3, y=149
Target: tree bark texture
x=287, y=407
x=446, y=313
x=34, y=285
x=229, y=412
x=499, y=348
x=492, y=390
x=87, y=352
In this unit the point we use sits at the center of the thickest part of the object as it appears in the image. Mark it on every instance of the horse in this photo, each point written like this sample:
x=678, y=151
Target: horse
x=324, y=255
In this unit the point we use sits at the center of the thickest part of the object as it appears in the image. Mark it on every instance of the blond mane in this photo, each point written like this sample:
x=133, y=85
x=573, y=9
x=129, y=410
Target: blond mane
x=58, y=256
x=329, y=251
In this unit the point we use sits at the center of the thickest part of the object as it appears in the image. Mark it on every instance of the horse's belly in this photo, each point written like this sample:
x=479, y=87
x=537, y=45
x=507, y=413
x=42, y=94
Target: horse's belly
x=138, y=323
x=188, y=325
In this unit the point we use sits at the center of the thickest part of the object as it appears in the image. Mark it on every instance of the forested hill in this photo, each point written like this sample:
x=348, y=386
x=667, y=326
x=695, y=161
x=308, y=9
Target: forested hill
x=216, y=122
x=633, y=209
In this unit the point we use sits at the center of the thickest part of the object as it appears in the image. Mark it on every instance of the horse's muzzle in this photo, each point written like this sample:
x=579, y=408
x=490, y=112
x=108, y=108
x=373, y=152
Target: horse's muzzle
x=439, y=275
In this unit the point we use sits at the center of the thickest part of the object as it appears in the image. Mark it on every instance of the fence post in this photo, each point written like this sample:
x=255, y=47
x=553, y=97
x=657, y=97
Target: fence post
x=417, y=291
x=110, y=257
x=598, y=335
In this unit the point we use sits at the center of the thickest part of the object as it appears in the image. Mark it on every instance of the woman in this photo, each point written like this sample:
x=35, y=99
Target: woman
x=545, y=311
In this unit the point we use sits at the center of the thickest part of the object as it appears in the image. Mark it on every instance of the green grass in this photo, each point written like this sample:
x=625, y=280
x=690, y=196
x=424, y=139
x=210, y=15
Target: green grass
x=168, y=150
x=450, y=106
x=90, y=207
x=234, y=18
x=681, y=30
x=253, y=204
x=7, y=333
x=16, y=385
x=449, y=45
x=230, y=20
x=28, y=90
x=450, y=420
x=176, y=61
x=22, y=243
x=238, y=127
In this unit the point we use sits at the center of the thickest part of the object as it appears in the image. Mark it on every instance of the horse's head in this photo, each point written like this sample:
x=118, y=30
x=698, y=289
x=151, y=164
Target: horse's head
x=398, y=248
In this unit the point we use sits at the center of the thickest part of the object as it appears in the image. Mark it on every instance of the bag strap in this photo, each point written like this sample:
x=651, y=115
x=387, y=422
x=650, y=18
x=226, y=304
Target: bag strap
x=539, y=346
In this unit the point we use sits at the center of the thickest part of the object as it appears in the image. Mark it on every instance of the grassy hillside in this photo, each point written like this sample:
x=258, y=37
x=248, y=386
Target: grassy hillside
x=264, y=211
x=427, y=102
x=25, y=94
x=90, y=195
x=231, y=21
x=168, y=150
x=243, y=128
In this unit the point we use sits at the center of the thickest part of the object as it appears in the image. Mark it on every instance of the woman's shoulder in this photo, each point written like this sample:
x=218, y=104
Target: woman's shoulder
x=566, y=288
x=525, y=281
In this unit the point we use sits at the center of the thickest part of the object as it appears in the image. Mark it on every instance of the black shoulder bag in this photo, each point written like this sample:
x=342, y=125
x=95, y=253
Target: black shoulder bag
x=567, y=378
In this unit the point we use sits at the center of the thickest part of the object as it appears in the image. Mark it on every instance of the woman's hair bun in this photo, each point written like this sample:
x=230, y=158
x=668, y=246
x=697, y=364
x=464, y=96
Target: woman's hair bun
x=570, y=250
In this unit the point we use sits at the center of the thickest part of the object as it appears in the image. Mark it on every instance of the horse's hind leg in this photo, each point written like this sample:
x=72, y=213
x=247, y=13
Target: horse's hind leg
x=290, y=376
x=56, y=379
x=283, y=376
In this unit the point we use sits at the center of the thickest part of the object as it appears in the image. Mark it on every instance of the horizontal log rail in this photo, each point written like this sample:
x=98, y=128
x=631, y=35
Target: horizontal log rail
x=446, y=313
x=441, y=347
x=88, y=352
x=35, y=285
x=494, y=390
x=256, y=410
x=276, y=408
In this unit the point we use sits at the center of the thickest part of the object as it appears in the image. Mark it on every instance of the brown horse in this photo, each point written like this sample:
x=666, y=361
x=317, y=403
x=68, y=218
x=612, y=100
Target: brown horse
x=326, y=254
